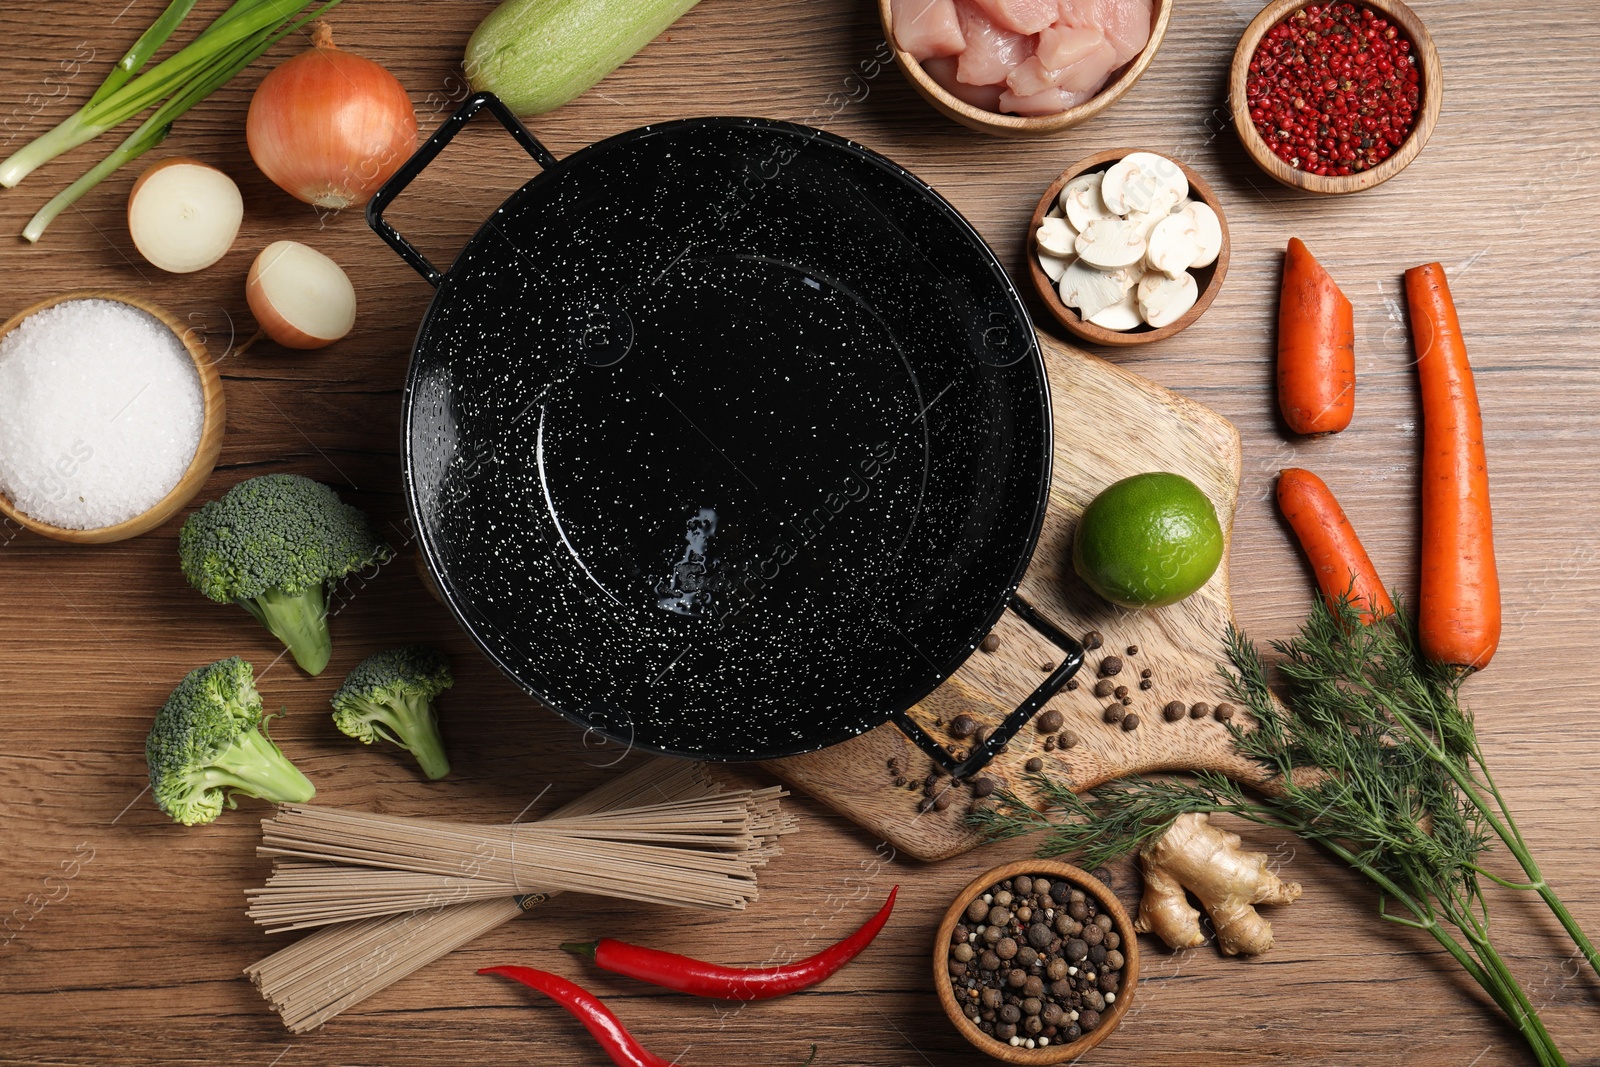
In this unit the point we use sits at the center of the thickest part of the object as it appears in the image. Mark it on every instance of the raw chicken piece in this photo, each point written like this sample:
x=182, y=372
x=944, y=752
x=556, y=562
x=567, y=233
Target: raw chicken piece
x=1126, y=24
x=1062, y=45
x=991, y=51
x=1089, y=73
x=943, y=71
x=1031, y=77
x=1049, y=102
x=1021, y=16
x=927, y=28
x=1080, y=14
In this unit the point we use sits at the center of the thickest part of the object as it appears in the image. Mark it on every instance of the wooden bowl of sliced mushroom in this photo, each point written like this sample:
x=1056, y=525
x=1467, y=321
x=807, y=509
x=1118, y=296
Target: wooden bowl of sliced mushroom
x=1128, y=247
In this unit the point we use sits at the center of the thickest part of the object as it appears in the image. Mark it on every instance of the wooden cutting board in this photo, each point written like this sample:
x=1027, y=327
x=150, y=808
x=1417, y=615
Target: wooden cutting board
x=1109, y=423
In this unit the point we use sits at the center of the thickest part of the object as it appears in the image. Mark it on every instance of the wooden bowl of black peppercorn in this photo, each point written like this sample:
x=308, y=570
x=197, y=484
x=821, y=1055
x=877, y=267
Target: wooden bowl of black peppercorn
x=1046, y=950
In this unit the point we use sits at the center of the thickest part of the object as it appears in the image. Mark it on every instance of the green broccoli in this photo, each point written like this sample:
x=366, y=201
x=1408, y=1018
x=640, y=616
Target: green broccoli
x=209, y=743
x=274, y=545
x=390, y=695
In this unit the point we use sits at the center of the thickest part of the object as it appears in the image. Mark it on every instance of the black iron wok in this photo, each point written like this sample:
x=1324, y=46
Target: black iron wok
x=726, y=438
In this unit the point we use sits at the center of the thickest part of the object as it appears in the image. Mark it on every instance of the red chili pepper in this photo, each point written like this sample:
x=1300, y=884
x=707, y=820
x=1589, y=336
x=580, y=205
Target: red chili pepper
x=621, y=1046
x=688, y=975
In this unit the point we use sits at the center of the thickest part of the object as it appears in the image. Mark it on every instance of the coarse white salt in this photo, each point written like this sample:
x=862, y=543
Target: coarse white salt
x=100, y=413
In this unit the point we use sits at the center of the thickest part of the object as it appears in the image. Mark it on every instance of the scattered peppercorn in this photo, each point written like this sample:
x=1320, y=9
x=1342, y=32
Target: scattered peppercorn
x=1092, y=640
x=982, y=787
x=1049, y=721
x=1072, y=683
x=990, y=643
x=1103, y=687
x=1115, y=713
x=1147, y=672
x=1174, y=711
x=1133, y=650
x=1034, y=766
x=1130, y=721
x=963, y=726
x=1146, y=683
x=1120, y=691
x=1224, y=712
x=1066, y=739
x=1111, y=665
x=1199, y=711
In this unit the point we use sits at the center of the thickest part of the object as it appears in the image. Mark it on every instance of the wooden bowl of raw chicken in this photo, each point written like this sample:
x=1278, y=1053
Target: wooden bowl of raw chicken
x=970, y=58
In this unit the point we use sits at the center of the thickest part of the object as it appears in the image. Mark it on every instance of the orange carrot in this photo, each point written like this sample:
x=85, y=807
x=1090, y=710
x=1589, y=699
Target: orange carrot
x=1458, y=602
x=1316, y=347
x=1342, y=566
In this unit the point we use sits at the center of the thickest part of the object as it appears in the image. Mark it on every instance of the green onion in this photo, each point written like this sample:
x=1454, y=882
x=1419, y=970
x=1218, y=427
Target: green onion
x=230, y=43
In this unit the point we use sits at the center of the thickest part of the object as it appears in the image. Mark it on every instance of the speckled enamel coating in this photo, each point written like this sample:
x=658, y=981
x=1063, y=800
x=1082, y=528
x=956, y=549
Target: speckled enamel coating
x=727, y=438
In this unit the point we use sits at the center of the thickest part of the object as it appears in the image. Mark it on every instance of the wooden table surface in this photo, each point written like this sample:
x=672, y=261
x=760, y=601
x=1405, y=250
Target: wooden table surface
x=126, y=934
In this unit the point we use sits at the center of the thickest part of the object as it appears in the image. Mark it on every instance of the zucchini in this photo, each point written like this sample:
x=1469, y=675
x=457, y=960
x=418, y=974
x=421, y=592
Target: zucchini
x=537, y=54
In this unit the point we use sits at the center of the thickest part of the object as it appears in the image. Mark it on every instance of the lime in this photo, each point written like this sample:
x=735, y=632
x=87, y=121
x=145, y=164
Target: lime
x=1148, y=540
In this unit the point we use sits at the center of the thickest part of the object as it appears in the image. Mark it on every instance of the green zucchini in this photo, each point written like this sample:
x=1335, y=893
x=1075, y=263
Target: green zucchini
x=537, y=54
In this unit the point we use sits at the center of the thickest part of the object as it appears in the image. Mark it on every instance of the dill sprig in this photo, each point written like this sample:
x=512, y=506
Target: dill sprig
x=1373, y=758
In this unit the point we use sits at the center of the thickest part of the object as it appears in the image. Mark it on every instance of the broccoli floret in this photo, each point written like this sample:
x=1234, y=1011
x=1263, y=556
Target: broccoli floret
x=390, y=695
x=209, y=743
x=274, y=545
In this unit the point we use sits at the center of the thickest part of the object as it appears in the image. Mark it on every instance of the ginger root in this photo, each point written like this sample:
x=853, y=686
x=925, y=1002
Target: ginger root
x=1227, y=880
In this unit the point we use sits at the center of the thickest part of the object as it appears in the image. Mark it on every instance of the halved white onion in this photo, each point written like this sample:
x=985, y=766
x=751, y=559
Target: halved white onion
x=300, y=297
x=183, y=214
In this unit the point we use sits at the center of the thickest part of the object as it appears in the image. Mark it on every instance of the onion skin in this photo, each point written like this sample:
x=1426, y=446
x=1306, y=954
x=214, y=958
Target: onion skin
x=330, y=127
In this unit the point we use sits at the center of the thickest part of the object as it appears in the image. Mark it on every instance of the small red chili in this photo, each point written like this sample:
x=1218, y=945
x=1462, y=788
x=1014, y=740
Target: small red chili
x=701, y=979
x=607, y=1029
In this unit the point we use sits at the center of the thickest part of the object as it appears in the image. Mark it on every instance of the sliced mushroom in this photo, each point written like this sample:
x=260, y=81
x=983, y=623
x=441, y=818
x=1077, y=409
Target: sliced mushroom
x=1054, y=266
x=1163, y=300
x=1080, y=199
x=1143, y=181
x=1090, y=290
x=1174, y=245
x=1146, y=221
x=1123, y=315
x=1056, y=236
x=1209, y=231
x=1114, y=243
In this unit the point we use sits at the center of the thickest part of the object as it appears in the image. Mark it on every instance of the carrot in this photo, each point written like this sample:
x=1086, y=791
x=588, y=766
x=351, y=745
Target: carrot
x=1458, y=602
x=1316, y=347
x=1342, y=566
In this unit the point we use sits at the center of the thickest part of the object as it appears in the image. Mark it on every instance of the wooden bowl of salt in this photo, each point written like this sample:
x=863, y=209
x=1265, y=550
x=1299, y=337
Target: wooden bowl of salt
x=208, y=444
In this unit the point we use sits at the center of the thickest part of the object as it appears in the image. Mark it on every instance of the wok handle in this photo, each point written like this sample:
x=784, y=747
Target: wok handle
x=425, y=155
x=986, y=751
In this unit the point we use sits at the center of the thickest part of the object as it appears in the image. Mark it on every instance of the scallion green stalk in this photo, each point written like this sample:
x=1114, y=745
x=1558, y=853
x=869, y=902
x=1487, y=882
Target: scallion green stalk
x=227, y=45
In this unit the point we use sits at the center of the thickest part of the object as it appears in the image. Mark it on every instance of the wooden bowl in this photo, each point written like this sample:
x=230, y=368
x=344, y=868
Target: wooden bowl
x=205, y=455
x=1027, y=125
x=1432, y=97
x=1056, y=871
x=1208, y=279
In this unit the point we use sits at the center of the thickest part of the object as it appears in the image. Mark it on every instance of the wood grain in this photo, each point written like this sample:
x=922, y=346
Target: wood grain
x=1109, y=424
x=131, y=953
